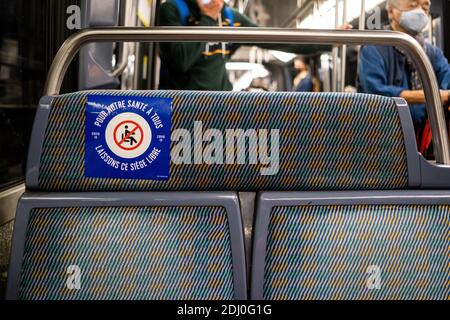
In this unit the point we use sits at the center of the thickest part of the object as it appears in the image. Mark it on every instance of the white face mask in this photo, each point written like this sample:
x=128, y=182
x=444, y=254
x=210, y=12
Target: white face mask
x=414, y=21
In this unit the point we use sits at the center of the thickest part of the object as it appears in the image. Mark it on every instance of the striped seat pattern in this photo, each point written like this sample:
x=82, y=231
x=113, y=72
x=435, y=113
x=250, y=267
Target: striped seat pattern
x=358, y=252
x=128, y=253
x=327, y=142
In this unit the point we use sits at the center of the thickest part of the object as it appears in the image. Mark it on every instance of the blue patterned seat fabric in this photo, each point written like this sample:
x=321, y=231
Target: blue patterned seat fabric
x=328, y=141
x=358, y=252
x=128, y=253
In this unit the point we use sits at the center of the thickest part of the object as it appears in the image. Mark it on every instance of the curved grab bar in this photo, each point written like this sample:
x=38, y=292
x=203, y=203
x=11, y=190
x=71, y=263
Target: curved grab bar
x=123, y=62
x=127, y=21
x=267, y=35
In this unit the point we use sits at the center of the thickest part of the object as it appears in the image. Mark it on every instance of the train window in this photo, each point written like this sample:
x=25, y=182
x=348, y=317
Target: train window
x=31, y=31
x=21, y=75
x=30, y=34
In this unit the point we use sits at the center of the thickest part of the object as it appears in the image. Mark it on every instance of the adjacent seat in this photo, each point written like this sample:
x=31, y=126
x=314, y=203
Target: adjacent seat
x=352, y=245
x=357, y=244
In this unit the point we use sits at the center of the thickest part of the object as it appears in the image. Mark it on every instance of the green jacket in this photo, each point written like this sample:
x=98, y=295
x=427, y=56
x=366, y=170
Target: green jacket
x=201, y=66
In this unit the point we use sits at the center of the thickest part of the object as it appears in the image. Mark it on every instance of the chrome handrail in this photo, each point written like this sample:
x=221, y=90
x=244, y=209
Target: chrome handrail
x=267, y=35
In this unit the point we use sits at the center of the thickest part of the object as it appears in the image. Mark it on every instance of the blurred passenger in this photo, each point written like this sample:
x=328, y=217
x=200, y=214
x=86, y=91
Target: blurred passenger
x=201, y=66
x=387, y=70
x=303, y=82
x=259, y=84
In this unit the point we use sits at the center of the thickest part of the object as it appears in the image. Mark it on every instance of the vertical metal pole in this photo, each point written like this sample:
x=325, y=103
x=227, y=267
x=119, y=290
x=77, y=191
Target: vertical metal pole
x=344, y=50
x=362, y=16
x=153, y=71
x=137, y=46
x=241, y=6
x=362, y=20
x=430, y=30
x=362, y=26
x=335, y=52
x=130, y=20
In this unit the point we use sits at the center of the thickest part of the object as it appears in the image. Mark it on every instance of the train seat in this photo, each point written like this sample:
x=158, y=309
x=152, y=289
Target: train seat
x=72, y=243
x=143, y=239
x=372, y=245
x=299, y=142
x=352, y=245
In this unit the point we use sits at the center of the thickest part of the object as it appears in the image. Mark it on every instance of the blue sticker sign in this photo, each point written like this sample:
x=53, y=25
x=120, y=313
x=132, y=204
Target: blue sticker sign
x=128, y=137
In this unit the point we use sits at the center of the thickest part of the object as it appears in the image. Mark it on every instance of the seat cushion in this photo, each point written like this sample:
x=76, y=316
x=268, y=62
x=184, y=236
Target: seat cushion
x=127, y=253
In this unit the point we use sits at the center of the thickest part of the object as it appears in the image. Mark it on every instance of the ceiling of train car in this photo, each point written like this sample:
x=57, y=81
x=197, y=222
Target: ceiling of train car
x=302, y=13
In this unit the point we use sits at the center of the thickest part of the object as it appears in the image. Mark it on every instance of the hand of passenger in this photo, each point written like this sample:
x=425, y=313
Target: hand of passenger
x=211, y=8
x=418, y=97
x=345, y=26
x=445, y=97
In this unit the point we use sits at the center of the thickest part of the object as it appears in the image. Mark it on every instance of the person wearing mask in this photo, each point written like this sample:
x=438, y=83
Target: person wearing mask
x=201, y=66
x=303, y=82
x=388, y=71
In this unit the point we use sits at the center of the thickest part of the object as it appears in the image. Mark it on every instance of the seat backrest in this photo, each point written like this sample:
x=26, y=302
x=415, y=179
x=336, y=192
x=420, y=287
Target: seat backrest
x=306, y=141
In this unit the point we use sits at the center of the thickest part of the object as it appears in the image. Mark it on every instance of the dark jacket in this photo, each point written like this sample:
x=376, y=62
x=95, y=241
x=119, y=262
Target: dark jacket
x=305, y=85
x=201, y=66
x=383, y=70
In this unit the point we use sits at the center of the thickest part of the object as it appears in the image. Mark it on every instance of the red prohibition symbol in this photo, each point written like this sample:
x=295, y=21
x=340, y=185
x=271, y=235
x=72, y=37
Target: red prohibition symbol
x=127, y=135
